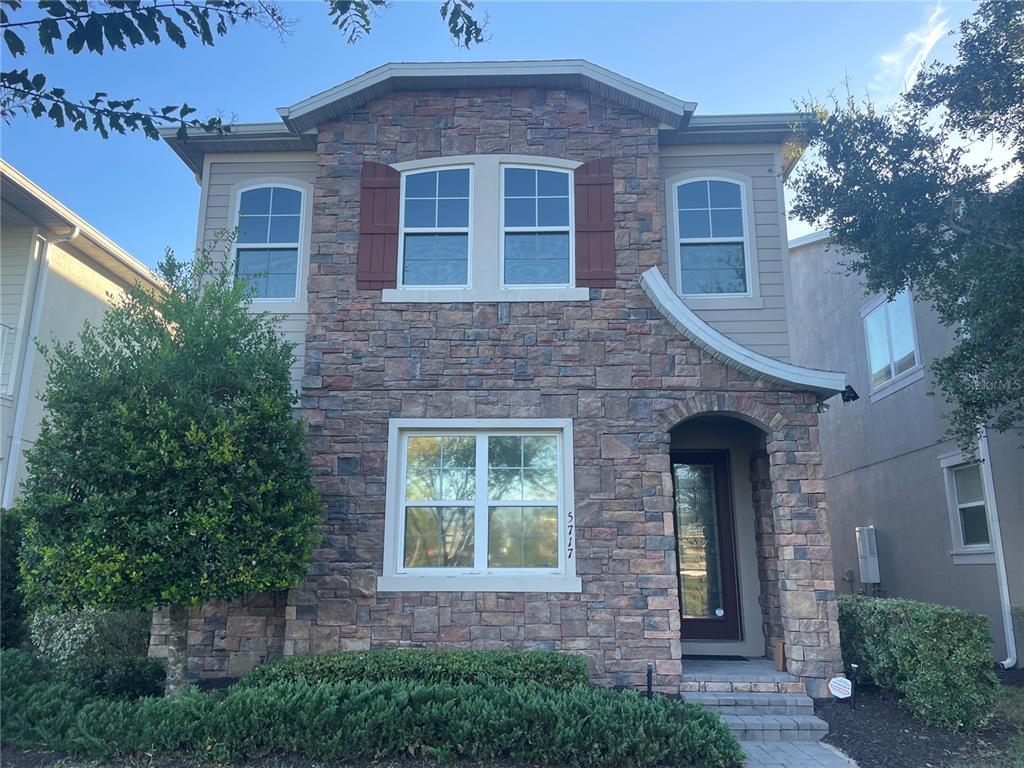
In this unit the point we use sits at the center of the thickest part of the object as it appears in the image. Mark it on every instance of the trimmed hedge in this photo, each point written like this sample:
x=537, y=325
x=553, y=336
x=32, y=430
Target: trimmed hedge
x=937, y=657
x=368, y=721
x=552, y=670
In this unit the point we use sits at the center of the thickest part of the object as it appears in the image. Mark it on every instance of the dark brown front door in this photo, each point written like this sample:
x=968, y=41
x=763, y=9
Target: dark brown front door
x=705, y=550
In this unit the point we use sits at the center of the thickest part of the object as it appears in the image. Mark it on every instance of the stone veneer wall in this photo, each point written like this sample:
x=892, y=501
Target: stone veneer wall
x=614, y=365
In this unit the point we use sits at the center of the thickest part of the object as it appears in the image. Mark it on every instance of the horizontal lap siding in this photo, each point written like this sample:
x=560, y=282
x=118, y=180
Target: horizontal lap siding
x=222, y=178
x=15, y=245
x=763, y=330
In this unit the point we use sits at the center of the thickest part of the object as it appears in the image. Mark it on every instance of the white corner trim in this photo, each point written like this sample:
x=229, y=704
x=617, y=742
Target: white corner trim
x=826, y=383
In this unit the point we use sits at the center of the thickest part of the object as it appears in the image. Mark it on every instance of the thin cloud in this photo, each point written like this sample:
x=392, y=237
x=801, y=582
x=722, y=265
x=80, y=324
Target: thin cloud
x=899, y=66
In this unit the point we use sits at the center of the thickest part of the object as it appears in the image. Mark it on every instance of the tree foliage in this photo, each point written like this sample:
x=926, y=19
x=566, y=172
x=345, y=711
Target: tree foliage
x=901, y=199
x=169, y=469
x=78, y=26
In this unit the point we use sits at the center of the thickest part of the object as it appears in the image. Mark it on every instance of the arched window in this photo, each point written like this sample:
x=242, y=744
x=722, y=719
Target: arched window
x=267, y=247
x=713, y=249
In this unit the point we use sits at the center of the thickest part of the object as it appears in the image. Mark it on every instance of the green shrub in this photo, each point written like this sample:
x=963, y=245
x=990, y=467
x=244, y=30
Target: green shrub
x=116, y=677
x=550, y=669
x=373, y=721
x=13, y=631
x=937, y=657
x=89, y=634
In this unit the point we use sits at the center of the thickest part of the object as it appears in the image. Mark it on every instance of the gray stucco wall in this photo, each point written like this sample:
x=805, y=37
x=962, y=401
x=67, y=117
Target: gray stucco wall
x=882, y=458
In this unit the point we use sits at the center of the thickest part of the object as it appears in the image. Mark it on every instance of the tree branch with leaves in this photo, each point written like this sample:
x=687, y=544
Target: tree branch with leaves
x=900, y=197
x=78, y=26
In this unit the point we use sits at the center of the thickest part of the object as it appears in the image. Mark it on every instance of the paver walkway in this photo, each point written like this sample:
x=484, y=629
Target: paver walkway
x=794, y=754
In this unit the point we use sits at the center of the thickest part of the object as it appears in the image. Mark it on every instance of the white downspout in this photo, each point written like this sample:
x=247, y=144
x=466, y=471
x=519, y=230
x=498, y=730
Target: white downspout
x=21, y=405
x=997, y=545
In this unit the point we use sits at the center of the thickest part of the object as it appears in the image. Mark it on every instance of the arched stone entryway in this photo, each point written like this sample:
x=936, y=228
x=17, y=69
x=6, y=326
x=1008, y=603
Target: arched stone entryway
x=774, y=446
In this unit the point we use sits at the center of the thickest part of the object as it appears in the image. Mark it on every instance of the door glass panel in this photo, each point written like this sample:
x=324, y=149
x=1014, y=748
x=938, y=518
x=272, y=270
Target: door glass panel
x=700, y=567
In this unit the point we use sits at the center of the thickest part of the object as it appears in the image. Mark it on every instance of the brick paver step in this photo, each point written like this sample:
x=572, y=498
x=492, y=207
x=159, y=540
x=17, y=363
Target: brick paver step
x=729, y=703
x=776, y=727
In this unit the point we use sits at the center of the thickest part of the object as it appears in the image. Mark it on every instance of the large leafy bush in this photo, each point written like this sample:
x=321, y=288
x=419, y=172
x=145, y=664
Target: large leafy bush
x=169, y=467
x=554, y=670
x=372, y=721
x=937, y=657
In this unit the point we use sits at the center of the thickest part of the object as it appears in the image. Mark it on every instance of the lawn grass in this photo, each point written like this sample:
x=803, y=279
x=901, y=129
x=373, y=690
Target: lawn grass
x=1010, y=708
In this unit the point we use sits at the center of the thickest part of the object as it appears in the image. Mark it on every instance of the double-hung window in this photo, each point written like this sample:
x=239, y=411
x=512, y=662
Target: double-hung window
x=713, y=246
x=487, y=506
x=968, y=508
x=435, y=228
x=891, y=344
x=535, y=227
x=493, y=227
x=267, y=244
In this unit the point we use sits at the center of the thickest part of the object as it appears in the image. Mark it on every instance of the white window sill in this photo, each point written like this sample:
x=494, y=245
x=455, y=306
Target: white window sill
x=279, y=306
x=467, y=295
x=905, y=379
x=723, y=302
x=478, y=583
x=973, y=557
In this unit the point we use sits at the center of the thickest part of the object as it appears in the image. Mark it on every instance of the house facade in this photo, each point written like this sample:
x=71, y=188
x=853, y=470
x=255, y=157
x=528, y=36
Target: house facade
x=541, y=315
x=949, y=526
x=56, y=272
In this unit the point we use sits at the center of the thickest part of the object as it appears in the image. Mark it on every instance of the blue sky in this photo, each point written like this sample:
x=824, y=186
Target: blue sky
x=727, y=56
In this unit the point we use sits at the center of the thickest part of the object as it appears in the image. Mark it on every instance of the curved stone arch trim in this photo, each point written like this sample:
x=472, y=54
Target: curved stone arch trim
x=765, y=417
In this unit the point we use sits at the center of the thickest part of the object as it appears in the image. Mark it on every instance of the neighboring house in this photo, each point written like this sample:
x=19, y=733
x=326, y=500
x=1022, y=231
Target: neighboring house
x=56, y=272
x=943, y=520
x=541, y=319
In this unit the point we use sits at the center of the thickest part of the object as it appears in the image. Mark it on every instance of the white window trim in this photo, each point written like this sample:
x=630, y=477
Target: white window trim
x=398, y=579
x=966, y=554
x=298, y=302
x=751, y=299
x=914, y=373
x=486, y=236
x=467, y=230
x=503, y=230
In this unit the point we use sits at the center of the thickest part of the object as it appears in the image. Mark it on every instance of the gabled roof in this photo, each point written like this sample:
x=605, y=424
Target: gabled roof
x=53, y=217
x=824, y=383
x=566, y=73
x=676, y=121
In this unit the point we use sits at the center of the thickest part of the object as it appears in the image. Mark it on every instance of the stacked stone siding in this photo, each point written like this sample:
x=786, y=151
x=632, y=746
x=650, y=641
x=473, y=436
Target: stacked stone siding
x=613, y=365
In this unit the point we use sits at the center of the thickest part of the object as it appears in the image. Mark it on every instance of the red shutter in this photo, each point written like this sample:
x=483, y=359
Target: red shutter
x=595, y=225
x=377, y=265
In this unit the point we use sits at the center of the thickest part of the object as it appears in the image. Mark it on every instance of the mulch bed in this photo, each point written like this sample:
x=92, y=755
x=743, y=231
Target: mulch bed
x=879, y=733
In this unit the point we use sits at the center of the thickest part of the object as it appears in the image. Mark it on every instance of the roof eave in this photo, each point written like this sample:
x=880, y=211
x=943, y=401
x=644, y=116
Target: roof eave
x=96, y=245
x=334, y=102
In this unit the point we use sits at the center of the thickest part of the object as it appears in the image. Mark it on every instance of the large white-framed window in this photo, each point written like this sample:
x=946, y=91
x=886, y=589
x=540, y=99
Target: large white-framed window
x=536, y=227
x=434, y=233
x=891, y=339
x=967, y=498
x=267, y=252
x=713, y=246
x=480, y=505
x=500, y=265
